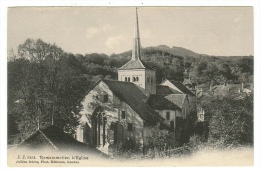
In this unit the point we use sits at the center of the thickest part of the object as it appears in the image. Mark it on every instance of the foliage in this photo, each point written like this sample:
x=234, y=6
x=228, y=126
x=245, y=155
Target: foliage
x=160, y=139
x=230, y=120
x=44, y=85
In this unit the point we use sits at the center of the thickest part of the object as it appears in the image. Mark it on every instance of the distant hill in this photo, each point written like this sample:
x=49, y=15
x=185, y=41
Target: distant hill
x=176, y=51
x=173, y=51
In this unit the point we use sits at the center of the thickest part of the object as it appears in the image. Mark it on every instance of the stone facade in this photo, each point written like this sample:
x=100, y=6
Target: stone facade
x=116, y=112
x=144, y=78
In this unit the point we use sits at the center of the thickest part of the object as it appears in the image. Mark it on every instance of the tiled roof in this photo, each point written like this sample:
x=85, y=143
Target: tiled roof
x=164, y=89
x=181, y=87
x=177, y=99
x=136, y=64
x=54, y=138
x=134, y=97
x=226, y=89
x=159, y=102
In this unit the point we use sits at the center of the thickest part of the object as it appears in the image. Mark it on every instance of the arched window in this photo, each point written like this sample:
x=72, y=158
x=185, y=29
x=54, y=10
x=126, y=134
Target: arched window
x=125, y=78
x=137, y=78
x=128, y=79
x=134, y=79
x=104, y=97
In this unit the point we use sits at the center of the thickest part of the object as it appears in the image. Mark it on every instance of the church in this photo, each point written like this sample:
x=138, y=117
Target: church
x=123, y=112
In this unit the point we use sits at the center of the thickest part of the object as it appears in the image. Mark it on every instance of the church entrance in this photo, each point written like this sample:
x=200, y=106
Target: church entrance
x=99, y=128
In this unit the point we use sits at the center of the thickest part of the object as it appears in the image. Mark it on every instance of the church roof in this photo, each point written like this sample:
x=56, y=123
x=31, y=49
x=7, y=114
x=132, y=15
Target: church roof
x=134, y=97
x=164, y=89
x=136, y=64
x=159, y=102
x=181, y=87
x=177, y=99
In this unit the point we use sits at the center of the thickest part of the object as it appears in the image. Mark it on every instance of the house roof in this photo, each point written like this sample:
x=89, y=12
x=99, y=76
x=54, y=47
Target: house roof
x=134, y=97
x=181, y=87
x=226, y=89
x=136, y=64
x=54, y=138
x=164, y=89
x=159, y=102
x=177, y=99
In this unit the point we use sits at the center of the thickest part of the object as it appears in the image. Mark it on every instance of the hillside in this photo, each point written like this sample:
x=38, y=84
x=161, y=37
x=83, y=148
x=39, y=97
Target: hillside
x=176, y=51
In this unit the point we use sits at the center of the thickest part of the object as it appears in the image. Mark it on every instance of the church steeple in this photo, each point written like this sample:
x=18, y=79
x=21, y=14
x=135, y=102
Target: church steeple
x=136, y=54
x=136, y=70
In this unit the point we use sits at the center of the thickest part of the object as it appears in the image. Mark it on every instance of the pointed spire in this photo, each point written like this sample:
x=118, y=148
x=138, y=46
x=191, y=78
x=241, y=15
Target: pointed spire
x=136, y=53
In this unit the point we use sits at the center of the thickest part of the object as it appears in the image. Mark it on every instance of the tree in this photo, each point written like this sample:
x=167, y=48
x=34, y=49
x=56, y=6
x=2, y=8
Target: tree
x=230, y=120
x=50, y=86
x=11, y=56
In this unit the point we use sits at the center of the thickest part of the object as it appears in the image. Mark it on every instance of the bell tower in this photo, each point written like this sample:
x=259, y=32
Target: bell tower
x=136, y=70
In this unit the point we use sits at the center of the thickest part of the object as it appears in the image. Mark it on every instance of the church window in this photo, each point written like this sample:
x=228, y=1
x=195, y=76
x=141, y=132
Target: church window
x=137, y=78
x=123, y=114
x=167, y=115
x=129, y=126
x=128, y=79
x=104, y=97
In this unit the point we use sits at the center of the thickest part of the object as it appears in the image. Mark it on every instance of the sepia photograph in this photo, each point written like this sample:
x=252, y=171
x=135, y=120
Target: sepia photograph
x=130, y=86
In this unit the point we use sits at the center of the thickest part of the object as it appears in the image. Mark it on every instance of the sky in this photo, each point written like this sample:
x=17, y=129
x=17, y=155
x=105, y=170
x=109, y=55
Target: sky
x=221, y=31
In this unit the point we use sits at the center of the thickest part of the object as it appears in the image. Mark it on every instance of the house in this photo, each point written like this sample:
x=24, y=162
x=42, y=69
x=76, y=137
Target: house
x=229, y=89
x=174, y=108
x=118, y=114
x=176, y=86
x=54, y=139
